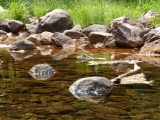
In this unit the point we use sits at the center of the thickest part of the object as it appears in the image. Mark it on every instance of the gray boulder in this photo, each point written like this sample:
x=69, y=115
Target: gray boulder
x=57, y=20
x=94, y=28
x=31, y=28
x=16, y=26
x=34, y=38
x=99, y=37
x=124, y=20
x=3, y=25
x=73, y=34
x=151, y=49
x=147, y=17
x=127, y=35
x=45, y=38
x=22, y=45
x=62, y=40
x=152, y=35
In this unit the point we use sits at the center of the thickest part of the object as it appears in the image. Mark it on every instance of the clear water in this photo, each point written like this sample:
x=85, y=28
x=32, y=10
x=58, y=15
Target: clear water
x=23, y=97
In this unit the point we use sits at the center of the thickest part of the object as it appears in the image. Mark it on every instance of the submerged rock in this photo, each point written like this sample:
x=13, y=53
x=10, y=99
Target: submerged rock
x=90, y=88
x=42, y=71
x=95, y=88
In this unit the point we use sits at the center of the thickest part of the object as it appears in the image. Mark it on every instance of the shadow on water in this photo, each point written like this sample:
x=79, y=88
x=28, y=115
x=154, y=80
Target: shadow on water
x=23, y=97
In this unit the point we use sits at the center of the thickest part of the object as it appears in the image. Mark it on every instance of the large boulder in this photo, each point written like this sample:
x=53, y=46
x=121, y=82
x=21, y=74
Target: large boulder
x=99, y=37
x=57, y=20
x=127, y=35
x=94, y=28
x=62, y=40
x=123, y=19
x=3, y=25
x=16, y=26
x=22, y=45
x=152, y=35
x=152, y=48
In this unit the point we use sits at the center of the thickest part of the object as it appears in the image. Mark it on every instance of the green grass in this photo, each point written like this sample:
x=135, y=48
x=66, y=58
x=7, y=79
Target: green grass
x=83, y=12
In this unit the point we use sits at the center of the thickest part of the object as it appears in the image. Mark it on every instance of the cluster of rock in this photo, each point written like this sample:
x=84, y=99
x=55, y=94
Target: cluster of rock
x=56, y=28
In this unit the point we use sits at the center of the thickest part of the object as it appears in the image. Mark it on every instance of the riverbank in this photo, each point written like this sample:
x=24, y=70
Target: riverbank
x=83, y=12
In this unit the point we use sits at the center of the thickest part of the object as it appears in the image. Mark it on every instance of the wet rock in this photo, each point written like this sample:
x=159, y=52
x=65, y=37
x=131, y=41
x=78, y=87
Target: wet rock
x=57, y=20
x=45, y=38
x=34, y=38
x=41, y=71
x=22, y=45
x=73, y=34
x=16, y=26
x=3, y=25
x=22, y=56
x=31, y=28
x=99, y=37
x=152, y=35
x=62, y=40
x=94, y=28
x=3, y=35
x=83, y=43
x=151, y=49
x=127, y=35
x=91, y=88
x=10, y=40
x=111, y=43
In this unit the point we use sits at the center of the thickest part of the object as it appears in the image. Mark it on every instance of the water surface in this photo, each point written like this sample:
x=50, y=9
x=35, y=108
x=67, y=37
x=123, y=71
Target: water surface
x=23, y=97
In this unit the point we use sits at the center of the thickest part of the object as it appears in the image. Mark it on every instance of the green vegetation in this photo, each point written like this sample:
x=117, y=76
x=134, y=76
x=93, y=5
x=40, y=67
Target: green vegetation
x=83, y=12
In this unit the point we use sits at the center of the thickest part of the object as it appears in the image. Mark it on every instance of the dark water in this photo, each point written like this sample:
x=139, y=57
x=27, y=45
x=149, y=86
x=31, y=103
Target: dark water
x=25, y=98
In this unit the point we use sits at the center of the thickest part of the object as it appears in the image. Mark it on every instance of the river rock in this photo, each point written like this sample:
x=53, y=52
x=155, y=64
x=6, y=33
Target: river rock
x=127, y=35
x=57, y=20
x=94, y=28
x=41, y=71
x=147, y=17
x=62, y=40
x=10, y=40
x=153, y=35
x=45, y=38
x=152, y=48
x=16, y=26
x=73, y=34
x=124, y=20
x=34, y=38
x=22, y=45
x=3, y=25
x=99, y=37
x=31, y=28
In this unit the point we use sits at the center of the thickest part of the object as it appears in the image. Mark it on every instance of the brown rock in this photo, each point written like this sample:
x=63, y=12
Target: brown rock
x=73, y=34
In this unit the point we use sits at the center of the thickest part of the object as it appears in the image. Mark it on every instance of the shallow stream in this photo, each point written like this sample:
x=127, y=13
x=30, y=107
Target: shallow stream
x=23, y=97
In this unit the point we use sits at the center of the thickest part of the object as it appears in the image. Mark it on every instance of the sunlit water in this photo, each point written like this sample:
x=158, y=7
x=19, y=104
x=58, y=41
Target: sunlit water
x=23, y=97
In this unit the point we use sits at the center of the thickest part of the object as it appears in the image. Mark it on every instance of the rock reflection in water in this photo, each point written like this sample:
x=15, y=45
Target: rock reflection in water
x=42, y=71
x=19, y=56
